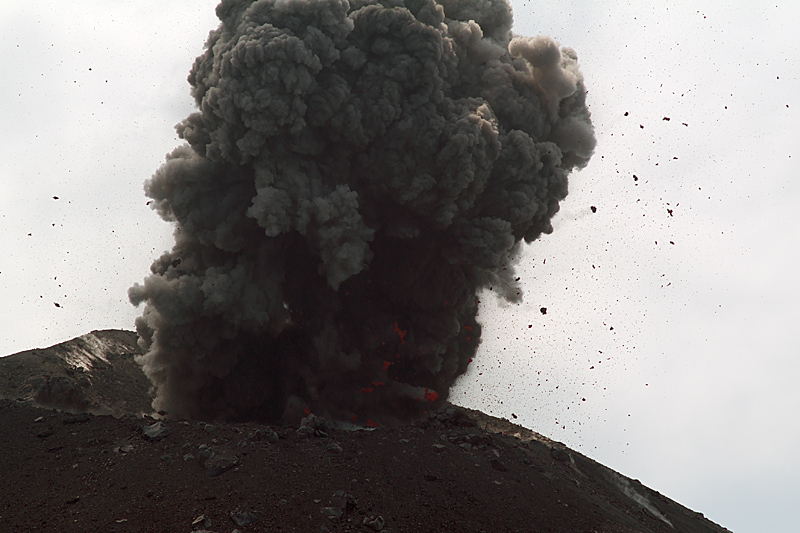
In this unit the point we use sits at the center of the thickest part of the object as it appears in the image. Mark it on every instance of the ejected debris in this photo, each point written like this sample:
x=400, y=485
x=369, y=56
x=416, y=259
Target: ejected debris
x=156, y=431
x=201, y=522
x=341, y=503
x=375, y=523
x=313, y=426
x=244, y=518
x=216, y=460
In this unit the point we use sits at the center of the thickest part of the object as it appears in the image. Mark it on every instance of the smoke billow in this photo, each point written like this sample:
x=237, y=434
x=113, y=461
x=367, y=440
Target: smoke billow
x=357, y=171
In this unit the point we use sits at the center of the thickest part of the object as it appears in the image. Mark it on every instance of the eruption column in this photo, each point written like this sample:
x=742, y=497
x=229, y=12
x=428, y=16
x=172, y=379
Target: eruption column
x=355, y=173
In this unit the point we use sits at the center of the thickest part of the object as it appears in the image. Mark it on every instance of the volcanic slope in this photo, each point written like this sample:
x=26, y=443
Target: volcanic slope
x=453, y=470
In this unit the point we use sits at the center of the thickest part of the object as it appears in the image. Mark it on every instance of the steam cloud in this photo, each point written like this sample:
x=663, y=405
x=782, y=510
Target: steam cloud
x=356, y=173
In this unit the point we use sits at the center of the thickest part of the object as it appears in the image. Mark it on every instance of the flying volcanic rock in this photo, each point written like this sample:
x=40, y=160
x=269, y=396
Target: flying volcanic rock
x=357, y=171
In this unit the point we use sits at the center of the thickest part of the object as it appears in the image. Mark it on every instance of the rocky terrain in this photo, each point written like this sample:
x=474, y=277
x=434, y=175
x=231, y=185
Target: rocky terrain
x=80, y=454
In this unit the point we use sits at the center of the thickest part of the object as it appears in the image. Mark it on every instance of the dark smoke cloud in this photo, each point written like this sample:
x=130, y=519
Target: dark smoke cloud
x=356, y=173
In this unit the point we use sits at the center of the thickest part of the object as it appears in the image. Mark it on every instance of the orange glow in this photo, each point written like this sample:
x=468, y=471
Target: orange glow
x=371, y=424
x=400, y=332
x=431, y=395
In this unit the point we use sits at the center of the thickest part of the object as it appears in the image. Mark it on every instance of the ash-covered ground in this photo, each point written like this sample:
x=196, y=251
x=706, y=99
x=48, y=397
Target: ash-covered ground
x=454, y=469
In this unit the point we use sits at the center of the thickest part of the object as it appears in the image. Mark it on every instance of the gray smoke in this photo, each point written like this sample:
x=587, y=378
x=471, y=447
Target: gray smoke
x=357, y=171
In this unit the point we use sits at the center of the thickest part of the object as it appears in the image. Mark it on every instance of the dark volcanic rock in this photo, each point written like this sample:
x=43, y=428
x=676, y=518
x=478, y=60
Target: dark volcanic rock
x=156, y=431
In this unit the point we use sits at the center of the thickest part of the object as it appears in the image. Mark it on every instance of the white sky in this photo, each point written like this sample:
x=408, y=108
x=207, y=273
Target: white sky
x=694, y=392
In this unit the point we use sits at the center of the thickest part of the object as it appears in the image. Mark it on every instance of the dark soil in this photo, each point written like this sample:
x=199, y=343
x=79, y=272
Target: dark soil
x=456, y=470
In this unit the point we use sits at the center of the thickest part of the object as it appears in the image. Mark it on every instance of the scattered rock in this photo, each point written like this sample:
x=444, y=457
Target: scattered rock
x=472, y=439
x=342, y=503
x=156, y=431
x=448, y=416
x=124, y=448
x=331, y=512
x=335, y=447
x=244, y=518
x=375, y=523
x=220, y=462
x=263, y=434
x=201, y=522
x=313, y=426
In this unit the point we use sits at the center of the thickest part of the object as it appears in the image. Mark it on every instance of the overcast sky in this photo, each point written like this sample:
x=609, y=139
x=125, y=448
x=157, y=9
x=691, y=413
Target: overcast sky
x=669, y=348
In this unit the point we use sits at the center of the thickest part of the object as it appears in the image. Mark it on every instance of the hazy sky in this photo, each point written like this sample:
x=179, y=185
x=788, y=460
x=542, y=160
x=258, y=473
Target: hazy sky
x=690, y=256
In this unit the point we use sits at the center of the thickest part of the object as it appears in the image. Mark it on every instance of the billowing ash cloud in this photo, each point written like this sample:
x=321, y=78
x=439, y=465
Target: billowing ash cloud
x=356, y=172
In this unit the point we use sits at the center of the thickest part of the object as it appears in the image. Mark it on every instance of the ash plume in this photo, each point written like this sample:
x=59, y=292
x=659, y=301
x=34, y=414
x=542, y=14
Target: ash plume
x=357, y=171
